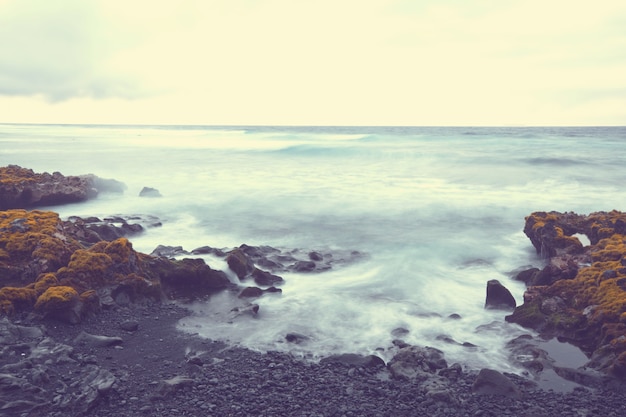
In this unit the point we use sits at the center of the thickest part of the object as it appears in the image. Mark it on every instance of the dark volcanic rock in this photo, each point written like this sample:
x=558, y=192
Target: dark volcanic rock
x=417, y=362
x=490, y=382
x=577, y=296
x=149, y=192
x=265, y=278
x=189, y=278
x=352, y=359
x=498, y=296
x=239, y=263
x=23, y=188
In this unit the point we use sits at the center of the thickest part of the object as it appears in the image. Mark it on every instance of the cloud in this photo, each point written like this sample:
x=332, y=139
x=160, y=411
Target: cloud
x=321, y=62
x=58, y=50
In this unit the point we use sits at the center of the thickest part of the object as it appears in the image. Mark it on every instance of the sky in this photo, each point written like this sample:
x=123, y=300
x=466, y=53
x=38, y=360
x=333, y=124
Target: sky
x=306, y=62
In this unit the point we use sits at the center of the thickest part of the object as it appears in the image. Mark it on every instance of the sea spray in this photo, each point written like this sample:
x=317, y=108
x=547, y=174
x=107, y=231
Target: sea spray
x=438, y=212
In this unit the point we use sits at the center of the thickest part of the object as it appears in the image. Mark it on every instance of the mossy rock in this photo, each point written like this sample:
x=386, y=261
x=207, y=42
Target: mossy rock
x=14, y=299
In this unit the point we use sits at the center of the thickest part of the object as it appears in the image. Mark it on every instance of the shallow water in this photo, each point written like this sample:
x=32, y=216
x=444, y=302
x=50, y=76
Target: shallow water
x=437, y=211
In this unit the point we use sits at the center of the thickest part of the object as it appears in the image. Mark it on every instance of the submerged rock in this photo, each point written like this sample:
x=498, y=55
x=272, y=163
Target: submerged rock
x=149, y=192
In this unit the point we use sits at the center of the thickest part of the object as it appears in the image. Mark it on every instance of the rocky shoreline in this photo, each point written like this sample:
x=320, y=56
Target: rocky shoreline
x=131, y=361
x=88, y=325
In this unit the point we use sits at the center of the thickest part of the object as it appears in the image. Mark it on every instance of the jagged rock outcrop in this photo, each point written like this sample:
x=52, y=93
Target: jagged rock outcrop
x=52, y=268
x=581, y=294
x=23, y=188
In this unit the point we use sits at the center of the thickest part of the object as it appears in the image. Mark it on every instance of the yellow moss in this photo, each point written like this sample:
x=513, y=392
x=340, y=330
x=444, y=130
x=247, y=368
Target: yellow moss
x=14, y=174
x=89, y=262
x=120, y=250
x=13, y=299
x=99, y=247
x=55, y=298
x=34, y=235
x=44, y=282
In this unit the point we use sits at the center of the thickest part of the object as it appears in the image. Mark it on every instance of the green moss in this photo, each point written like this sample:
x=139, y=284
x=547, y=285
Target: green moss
x=528, y=315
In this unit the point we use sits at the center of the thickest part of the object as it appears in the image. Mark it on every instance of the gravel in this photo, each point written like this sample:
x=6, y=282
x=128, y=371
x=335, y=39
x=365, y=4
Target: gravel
x=160, y=371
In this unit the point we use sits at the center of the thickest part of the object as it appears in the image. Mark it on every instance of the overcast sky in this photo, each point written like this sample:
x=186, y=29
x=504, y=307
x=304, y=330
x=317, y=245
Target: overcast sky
x=314, y=62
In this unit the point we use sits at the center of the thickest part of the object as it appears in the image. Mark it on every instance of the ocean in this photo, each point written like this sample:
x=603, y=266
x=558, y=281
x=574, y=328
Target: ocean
x=435, y=211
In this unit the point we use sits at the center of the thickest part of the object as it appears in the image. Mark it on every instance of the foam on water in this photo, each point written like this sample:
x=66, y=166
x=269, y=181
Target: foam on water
x=437, y=211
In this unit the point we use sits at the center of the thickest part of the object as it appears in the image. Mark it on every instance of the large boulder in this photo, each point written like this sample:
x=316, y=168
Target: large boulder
x=490, y=382
x=23, y=188
x=499, y=297
x=417, y=362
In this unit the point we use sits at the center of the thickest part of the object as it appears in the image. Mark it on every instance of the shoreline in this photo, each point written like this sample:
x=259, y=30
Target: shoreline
x=159, y=370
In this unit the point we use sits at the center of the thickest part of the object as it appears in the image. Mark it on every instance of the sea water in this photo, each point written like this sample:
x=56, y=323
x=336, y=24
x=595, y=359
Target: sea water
x=435, y=211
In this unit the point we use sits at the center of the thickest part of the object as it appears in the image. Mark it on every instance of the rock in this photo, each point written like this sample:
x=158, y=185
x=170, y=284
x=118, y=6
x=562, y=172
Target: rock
x=189, y=278
x=527, y=275
x=168, y=251
x=23, y=188
x=177, y=382
x=130, y=325
x=416, y=362
x=577, y=295
x=61, y=302
x=254, y=292
x=97, y=340
x=239, y=263
x=399, y=332
x=499, y=297
x=296, y=338
x=491, y=382
x=303, y=266
x=251, y=292
x=149, y=192
x=245, y=310
x=265, y=278
x=354, y=360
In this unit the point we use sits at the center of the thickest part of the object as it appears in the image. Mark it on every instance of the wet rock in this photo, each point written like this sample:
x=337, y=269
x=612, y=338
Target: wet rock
x=577, y=295
x=296, y=338
x=168, y=251
x=247, y=309
x=491, y=382
x=527, y=275
x=499, y=297
x=206, y=250
x=265, y=278
x=416, y=362
x=254, y=292
x=23, y=188
x=189, y=278
x=303, y=266
x=240, y=263
x=399, y=332
x=354, y=360
x=149, y=192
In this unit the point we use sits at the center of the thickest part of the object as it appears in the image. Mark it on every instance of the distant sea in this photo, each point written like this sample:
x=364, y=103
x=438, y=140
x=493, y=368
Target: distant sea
x=438, y=211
